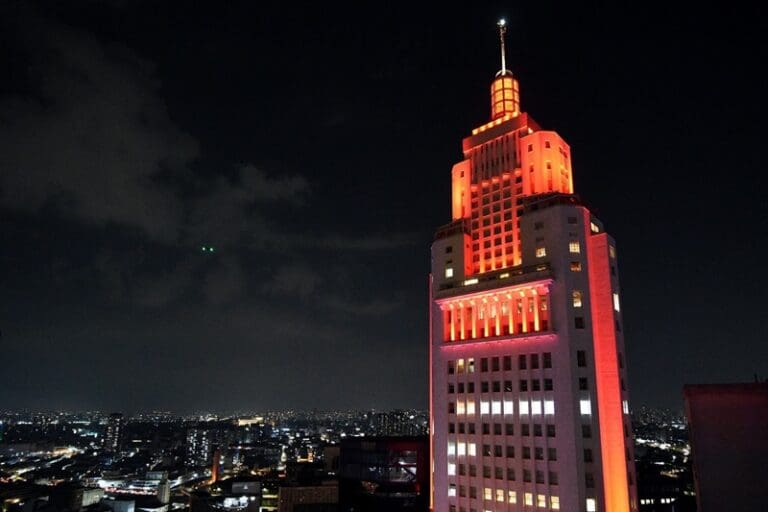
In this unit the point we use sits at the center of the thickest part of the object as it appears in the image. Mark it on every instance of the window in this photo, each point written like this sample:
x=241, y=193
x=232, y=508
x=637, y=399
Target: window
x=586, y=431
x=450, y=389
x=495, y=364
x=574, y=247
x=484, y=387
x=498, y=450
x=523, y=385
x=537, y=429
x=587, y=455
x=578, y=322
x=461, y=387
x=451, y=448
x=549, y=407
x=583, y=384
x=541, y=252
x=536, y=407
x=523, y=407
x=500, y=494
x=497, y=429
x=616, y=305
x=448, y=272
x=572, y=220
x=472, y=472
x=470, y=407
x=470, y=387
x=585, y=407
x=541, y=501
x=462, y=469
x=451, y=368
x=538, y=453
x=470, y=365
x=452, y=490
x=511, y=453
x=547, y=359
x=591, y=505
x=530, y=147
x=548, y=386
x=470, y=428
x=507, y=385
x=472, y=449
x=461, y=428
x=451, y=408
x=575, y=266
x=496, y=386
x=581, y=358
x=589, y=480
x=484, y=407
x=521, y=362
x=551, y=454
x=534, y=361
x=576, y=298
x=451, y=469
x=551, y=431
x=486, y=429
x=488, y=493
x=496, y=407
x=554, y=502
x=486, y=450
x=507, y=363
x=612, y=251
x=529, y=496
x=509, y=407
x=526, y=455
x=460, y=407
x=448, y=249
x=486, y=472
x=525, y=429
x=594, y=227
x=484, y=364
x=512, y=495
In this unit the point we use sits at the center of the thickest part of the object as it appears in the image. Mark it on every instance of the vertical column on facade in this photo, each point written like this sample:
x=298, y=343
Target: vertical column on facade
x=452, y=313
x=462, y=314
x=473, y=311
x=536, y=302
x=525, y=311
x=497, y=314
x=486, y=320
x=510, y=307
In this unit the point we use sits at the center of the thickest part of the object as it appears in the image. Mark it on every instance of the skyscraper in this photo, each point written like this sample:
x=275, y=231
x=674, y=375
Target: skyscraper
x=113, y=437
x=528, y=398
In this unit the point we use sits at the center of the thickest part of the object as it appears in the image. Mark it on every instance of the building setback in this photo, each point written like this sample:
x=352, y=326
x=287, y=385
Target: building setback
x=528, y=398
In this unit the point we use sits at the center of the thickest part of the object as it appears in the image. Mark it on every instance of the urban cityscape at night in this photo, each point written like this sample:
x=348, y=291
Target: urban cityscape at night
x=365, y=258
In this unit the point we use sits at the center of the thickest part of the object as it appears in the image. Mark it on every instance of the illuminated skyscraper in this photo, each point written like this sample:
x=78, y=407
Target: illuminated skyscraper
x=528, y=398
x=113, y=437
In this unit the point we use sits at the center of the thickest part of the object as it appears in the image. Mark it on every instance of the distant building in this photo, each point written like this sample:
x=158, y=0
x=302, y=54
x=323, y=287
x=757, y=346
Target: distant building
x=199, y=447
x=384, y=474
x=314, y=498
x=395, y=423
x=113, y=437
x=729, y=445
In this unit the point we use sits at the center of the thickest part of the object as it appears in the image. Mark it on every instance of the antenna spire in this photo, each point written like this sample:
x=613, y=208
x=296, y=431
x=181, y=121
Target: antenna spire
x=502, y=24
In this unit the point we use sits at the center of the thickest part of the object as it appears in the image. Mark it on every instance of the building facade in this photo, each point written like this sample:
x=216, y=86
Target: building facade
x=528, y=398
x=113, y=436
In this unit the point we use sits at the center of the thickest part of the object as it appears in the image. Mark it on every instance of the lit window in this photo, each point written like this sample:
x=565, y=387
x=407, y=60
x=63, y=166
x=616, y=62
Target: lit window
x=523, y=406
x=500, y=495
x=451, y=448
x=541, y=252
x=541, y=501
x=470, y=365
x=460, y=407
x=485, y=407
x=555, y=502
x=452, y=490
x=536, y=407
x=625, y=406
x=574, y=247
x=496, y=407
x=470, y=407
x=575, y=266
x=594, y=227
x=448, y=272
x=512, y=497
x=612, y=251
x=451, y=469
x=549, y=407
x=509, y=406
x=585, y=406
x=616, y=302
x=470, y=281
x=471, y=449
x=488, y=493
x=529, y=499
x=576, y=298
x=461, y=449
x=591, y=505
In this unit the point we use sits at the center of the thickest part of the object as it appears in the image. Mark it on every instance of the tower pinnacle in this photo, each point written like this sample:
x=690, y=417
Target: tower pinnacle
x=502, y=24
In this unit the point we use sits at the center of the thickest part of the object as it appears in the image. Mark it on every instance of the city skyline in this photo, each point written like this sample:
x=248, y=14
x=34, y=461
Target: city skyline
x=229, y=207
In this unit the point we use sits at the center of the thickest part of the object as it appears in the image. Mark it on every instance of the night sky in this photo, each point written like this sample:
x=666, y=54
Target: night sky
x=311, y=146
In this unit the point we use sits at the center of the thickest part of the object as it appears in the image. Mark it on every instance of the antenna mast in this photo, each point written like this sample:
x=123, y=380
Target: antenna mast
x=502, y=24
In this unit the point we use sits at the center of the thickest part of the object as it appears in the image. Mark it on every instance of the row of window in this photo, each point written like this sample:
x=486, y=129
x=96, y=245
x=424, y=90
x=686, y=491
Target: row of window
x=509, y=474
x=508, y=429
x=506, y=407
x=499, y=363
x=496, y=386
x=506, y=496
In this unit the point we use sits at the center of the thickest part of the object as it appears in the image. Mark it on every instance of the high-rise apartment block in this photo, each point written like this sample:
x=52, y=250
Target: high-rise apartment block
x=113, y=436
x=528, y=396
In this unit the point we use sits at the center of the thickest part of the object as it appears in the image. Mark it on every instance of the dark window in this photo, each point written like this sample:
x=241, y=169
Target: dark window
x=586, y=431
x=537, y=429
x=510, y=474
x=523, y=385
x=496, y=386
x=548, y=385
x=451, y=408
x=547, y=359
x=510, y=429
x=484, y=387
x=498, y=451
x=470, y=387
x=521, y=362
x=451, y=428
x=553, y=478
x=486, y=471
x=511, y=452
x=486, y=429
x=538, y=225
x=526, y=475
x=462, y=469
x=581, y=358
x=450, y=389
x=538, y=453
x=461, y=428
x=451, y=368
x=578, y=322
x=534, y=361
x=487, y=450
x=472, y=470
x=484, y=364
x=525, y=429
x=495, y=364
x=461, y=387
x=583, y=385
x=507, y=363
x=507, y=385
x=551, y=453
x=530, y=147
x=471, y=428
x=536, y=385
x=550, y=431
x=571, y=220
x=498, y=473
x=497, y=429
x=589, y=480
x=448, y=249
x=539, y=477
x=526, y=452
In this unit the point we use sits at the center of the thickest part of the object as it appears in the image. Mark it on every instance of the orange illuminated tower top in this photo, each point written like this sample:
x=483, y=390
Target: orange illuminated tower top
x=505, y=93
